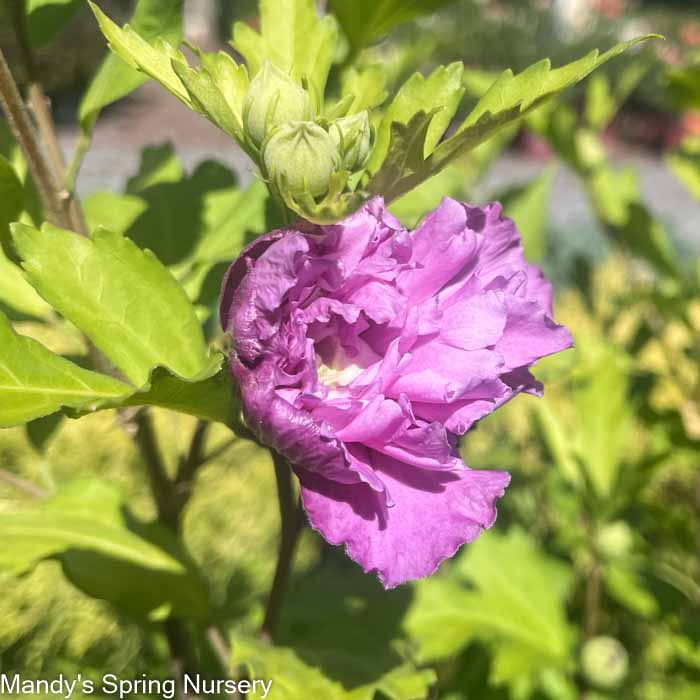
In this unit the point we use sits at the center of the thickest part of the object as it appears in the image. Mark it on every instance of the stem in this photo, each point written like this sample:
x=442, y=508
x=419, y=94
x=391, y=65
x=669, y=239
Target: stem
x=161, y=486
x=23, y=485
x=291, y=522
x=23, y=132
x=41, y=108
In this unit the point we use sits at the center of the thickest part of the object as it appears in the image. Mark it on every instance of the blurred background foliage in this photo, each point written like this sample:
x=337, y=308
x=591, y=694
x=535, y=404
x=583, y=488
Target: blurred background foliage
x=588, y=587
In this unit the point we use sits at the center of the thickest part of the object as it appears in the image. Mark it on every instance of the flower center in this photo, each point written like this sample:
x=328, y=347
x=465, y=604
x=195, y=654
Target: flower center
x=334, y=377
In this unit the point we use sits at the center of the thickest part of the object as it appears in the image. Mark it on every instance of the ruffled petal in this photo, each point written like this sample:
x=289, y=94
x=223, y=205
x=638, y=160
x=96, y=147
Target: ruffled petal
x=433, y=515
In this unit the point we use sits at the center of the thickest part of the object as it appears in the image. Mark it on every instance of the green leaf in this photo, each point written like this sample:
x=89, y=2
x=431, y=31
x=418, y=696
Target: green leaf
x=115, y=212
x=367, y=87
x=516, y=606
x=232, y=218
x=46, y=19
x=604, y=100
x=625, y=585
x=210, y=396
x=292, y=678
x=510, y=98
x=603, y=418
x=557, y=437
x=41, y=430
x=365, y=21
x=439, y=94
x=11, y=199
x=293, y=37
x=344, y=623
x=215, y=88
x=121, y=297
x=173, y=221
x=17, y=294
x=684, y=86
x=152, y=20
x=528, y=206
x=617, y=200
x=685, y=164
x=105, y=551
x=34, y=382
x=296, y=679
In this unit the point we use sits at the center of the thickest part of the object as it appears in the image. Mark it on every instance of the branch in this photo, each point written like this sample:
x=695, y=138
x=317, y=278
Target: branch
x=291, y=516
x=23, y=132
x=41, y=108
x=23, y=485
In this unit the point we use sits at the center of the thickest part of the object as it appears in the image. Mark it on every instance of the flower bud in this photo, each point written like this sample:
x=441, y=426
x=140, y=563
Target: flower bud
x=614, y=540
x=301, y=157
x=272, y=99
x=605, y=662
x=352, y=138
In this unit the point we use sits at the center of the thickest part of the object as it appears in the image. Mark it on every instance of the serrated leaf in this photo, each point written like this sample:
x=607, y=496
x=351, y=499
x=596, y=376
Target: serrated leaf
x=509, y=99
x=216, y=89
x=121, y=297
x=34, y=382
x=364, y=21
x=518, y=600
x=116, y=77
x=439, y=94
x=293, y=37
x=105, y=551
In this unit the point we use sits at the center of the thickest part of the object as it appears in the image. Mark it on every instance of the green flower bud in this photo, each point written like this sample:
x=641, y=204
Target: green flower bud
x=272, y=99
x=352, y=138
x=604, y=662
x=301, y=157
x=614, y=540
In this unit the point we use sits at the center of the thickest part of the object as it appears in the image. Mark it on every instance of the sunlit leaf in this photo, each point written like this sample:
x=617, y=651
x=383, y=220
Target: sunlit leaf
x=517, y=606
x=34, y=382
x=105, y=551
x=293, y=37
x=152, y=20
x=121, y=297
x=365, y=21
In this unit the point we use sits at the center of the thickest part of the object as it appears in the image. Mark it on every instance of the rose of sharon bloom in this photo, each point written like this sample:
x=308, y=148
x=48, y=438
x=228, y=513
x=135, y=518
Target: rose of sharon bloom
x=362, y=351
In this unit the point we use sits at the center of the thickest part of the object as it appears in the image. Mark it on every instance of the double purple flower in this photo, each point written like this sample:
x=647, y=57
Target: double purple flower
x=362, y=351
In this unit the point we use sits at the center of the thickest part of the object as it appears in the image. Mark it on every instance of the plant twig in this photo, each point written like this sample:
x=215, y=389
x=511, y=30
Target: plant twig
x=24, y=133
x=291, y=517
x=41, y=108
x=161, y=486
x=23, y=485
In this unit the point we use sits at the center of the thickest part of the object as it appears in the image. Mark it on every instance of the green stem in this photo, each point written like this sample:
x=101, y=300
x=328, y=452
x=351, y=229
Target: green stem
x=291, y=517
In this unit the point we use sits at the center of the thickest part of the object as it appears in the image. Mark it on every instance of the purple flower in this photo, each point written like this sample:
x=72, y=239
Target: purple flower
x=362, y=351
